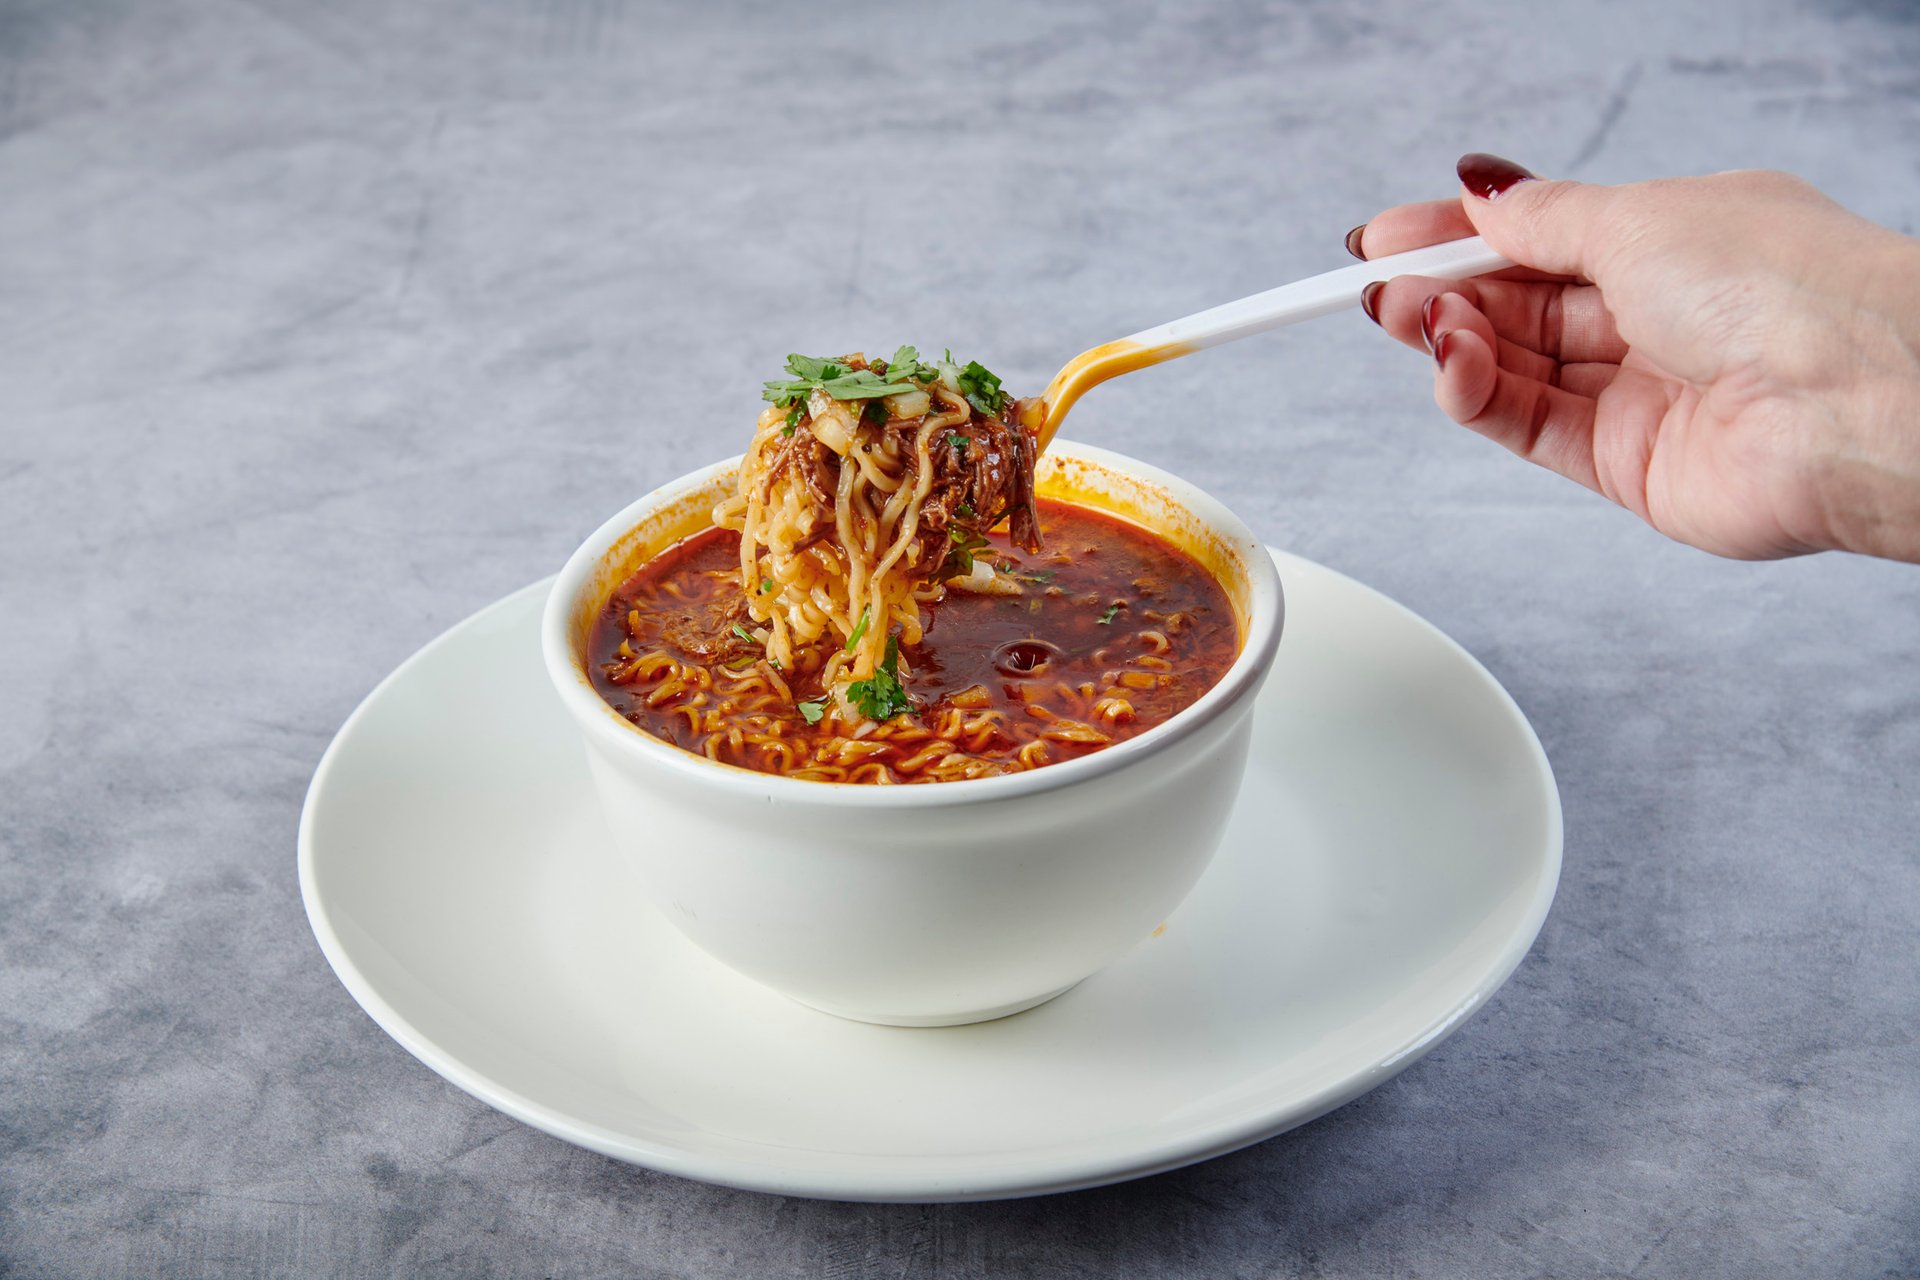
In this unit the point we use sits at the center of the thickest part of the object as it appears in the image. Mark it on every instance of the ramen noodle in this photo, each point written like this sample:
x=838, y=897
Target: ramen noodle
x=884, y=600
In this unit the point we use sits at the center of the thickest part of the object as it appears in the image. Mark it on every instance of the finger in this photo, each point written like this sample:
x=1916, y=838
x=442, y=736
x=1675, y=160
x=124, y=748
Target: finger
x=1409, y=226
x=1566, y=323
x=1544, y=424
x=1415, y=226
x=1561, y=227
x=1587, y=379
x=1444, y=311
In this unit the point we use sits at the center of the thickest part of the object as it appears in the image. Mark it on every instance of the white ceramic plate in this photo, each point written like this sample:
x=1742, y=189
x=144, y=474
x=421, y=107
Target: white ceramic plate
x=1392, y=857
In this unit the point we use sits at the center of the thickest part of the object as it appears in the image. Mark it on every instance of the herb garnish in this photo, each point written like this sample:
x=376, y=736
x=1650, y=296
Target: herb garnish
x=1108, y=616
x=958, y=441
x=881, y=696
x=859, y=628
x=811, y=711
x=979, y=386
x=906, y=363
x=766, y=585
x=905, y=372
x=811, y=373
x=959, y=561
x=744, y=634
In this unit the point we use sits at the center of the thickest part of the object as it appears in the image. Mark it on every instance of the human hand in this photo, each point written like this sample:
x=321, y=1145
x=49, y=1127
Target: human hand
x=1735, y=359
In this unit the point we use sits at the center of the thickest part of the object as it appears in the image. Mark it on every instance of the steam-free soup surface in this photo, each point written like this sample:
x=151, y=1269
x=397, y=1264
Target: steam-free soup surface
x=1114, y=631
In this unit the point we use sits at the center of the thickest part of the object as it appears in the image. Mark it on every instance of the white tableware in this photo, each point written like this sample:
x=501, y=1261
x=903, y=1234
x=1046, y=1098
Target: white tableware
x=1307, y=299
x=935, y=904
x=454, y=866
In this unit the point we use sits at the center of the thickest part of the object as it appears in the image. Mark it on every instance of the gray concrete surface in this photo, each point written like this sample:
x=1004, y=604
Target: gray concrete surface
x=322, y=326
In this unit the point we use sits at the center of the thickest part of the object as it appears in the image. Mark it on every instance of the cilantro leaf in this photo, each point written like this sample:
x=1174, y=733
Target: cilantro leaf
x=881, y=696
x=1108, y=616
x=906, y=363
x=811, y=711
x=808, y=372
x=958, y=441
x=813, y=368
x=905, y=372
x=864, y=384
x=959, y=561
x=982, y=389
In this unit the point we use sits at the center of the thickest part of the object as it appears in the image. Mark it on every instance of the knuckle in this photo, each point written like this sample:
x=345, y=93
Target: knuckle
x=1772, y=182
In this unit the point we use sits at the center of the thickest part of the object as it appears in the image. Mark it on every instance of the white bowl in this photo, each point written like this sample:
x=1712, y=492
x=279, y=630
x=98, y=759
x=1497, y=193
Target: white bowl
x=933, y=903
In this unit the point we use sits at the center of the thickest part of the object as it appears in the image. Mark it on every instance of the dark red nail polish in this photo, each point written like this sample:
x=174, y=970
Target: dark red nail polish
x=1370, y=300
x=1441, y=349
x=1353, y=241
x=1489, y=176
x=1426, y=320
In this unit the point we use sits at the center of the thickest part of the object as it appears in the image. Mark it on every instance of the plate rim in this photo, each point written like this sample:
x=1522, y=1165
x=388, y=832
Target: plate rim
x=1235, y=1132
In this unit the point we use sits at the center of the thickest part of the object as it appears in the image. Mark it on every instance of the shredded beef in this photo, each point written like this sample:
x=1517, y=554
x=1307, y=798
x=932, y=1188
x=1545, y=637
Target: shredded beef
x=987, y=480
x=705, y=631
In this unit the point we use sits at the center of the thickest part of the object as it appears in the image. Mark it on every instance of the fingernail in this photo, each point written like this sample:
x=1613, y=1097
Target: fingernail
x=1441, y=348
x=1426, y=320
x=1489, y=176
x=1370, y=299
x=1353, y=241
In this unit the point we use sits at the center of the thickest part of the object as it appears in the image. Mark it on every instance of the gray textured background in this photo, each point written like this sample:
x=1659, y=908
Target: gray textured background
x=323, y=326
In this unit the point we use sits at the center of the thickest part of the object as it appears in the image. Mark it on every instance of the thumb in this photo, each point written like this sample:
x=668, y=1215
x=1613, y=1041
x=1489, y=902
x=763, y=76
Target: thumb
x=1556, y=227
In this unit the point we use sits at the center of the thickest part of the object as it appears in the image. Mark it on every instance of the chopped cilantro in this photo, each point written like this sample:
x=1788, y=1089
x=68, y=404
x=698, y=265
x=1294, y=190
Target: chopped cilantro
x=812, y=373
x=813, y=368
x=864, y=384
x=906, y=363
x=859, y=628
x=906, y=371
x=881, y=696
x=1112, y=610
x=958, y=441
x=808, y=373
x=982, y=389
x=811, y=711
x=959, y=561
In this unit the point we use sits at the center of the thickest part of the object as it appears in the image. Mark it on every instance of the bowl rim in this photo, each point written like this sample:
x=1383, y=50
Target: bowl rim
x=614, y=734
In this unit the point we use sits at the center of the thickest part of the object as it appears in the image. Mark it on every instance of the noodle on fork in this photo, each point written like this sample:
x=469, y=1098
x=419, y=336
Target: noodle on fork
x=851, y=511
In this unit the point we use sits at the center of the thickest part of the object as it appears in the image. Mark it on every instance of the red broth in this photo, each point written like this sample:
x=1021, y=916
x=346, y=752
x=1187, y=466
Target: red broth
x=1116, y=631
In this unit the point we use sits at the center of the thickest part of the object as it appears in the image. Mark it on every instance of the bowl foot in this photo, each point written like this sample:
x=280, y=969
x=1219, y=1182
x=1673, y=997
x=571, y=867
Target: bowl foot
x=940, y=1019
